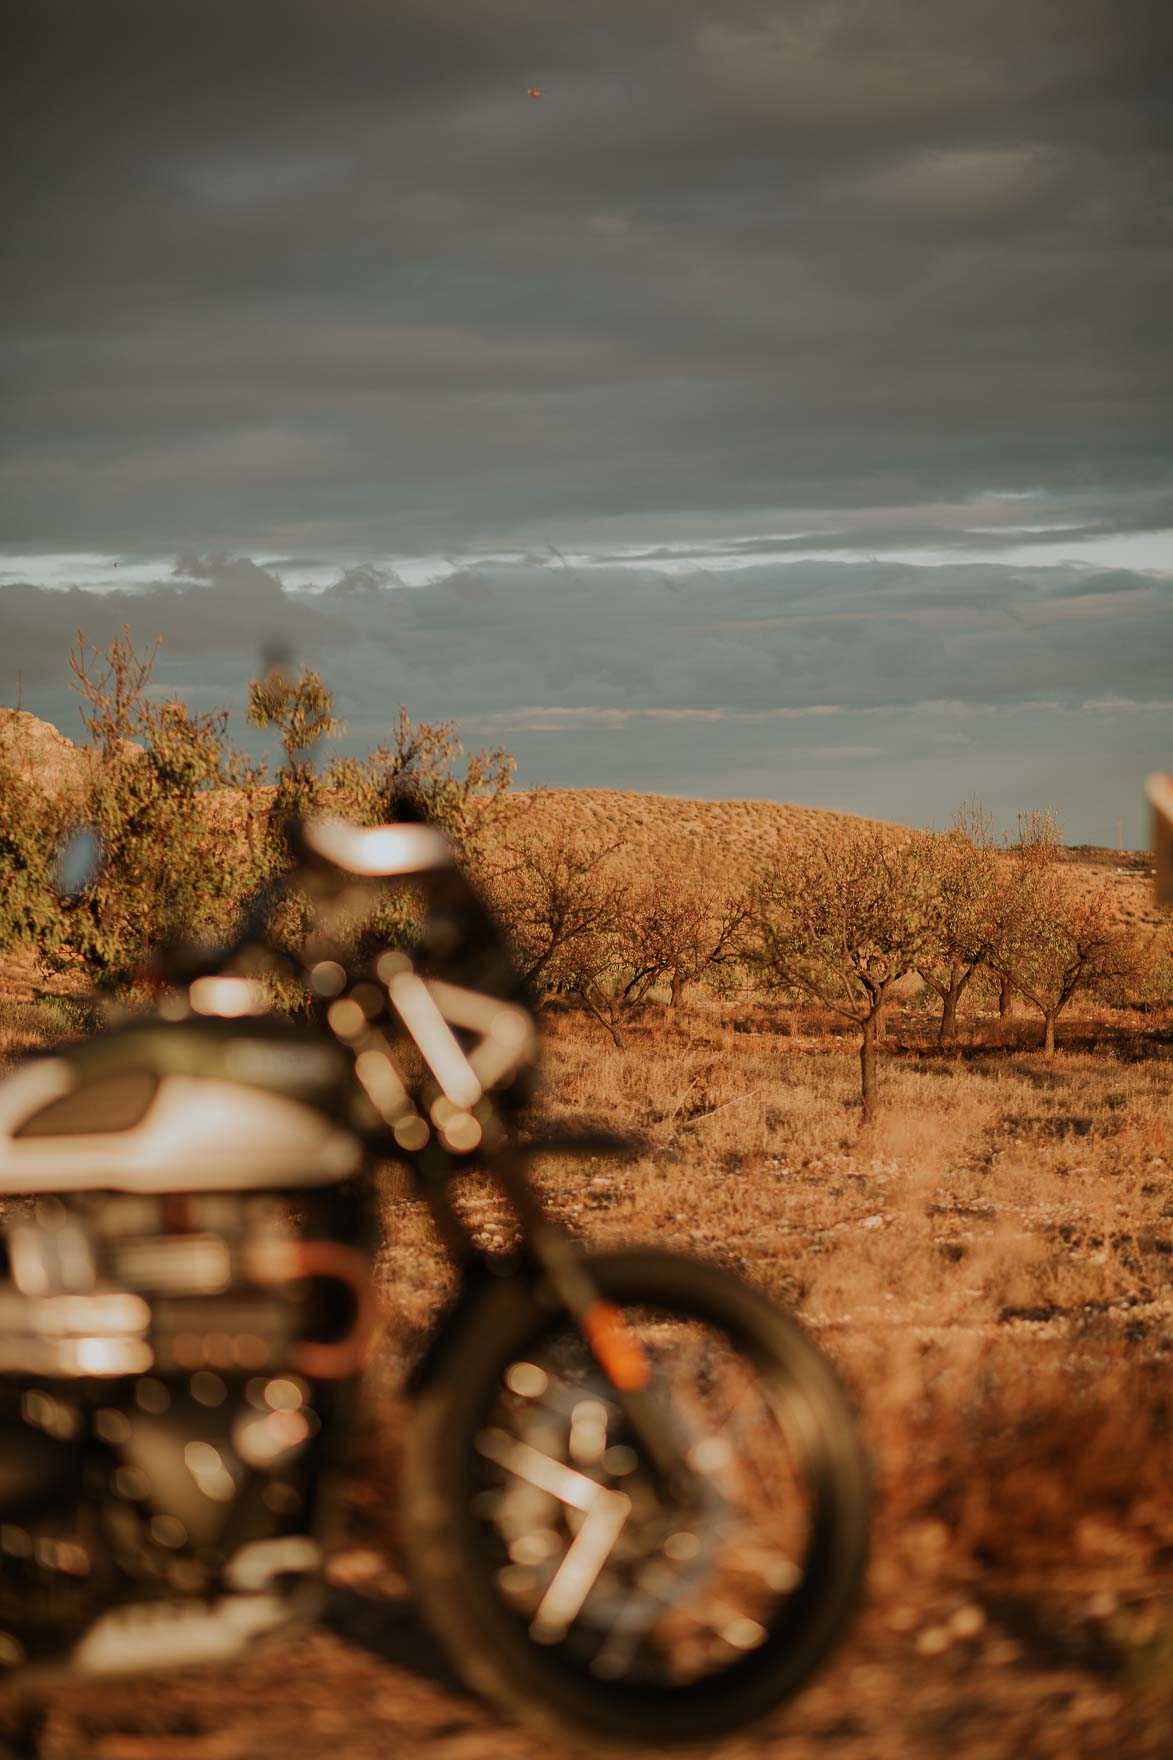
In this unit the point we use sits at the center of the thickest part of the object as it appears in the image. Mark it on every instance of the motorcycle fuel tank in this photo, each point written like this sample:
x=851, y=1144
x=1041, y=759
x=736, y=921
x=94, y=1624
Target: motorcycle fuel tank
x=198, y=1105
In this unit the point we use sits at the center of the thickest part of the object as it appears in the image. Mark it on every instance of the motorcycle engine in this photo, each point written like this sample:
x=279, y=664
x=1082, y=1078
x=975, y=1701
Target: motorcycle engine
x=153, y=1425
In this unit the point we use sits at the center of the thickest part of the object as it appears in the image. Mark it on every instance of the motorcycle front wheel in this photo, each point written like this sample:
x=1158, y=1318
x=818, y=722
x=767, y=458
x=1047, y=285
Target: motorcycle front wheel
x=560, y=1576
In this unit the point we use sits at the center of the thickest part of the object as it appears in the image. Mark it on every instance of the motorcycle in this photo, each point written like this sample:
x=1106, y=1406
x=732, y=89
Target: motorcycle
x=634, y=1502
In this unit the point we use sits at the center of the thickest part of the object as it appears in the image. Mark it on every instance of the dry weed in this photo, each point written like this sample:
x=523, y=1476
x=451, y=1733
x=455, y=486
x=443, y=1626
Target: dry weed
x=991, y=1269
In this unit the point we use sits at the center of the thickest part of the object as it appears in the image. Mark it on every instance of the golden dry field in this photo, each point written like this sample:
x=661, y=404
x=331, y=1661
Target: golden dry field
x=990, y=1266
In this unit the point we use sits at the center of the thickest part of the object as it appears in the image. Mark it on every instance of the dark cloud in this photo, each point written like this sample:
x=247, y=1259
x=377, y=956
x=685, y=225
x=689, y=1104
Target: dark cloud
x=323, y=278
x=238, y=609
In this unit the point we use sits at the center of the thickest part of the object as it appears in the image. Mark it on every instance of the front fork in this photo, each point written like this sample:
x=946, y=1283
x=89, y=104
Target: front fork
x=572, y=1290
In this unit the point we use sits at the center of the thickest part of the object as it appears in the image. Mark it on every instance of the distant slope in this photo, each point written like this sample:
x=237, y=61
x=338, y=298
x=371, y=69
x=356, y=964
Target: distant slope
x=725, y=833
x=720, y=838
x=726, y=840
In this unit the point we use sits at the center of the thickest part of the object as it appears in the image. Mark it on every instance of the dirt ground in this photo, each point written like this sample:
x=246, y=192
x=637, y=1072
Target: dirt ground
x=991, y=1269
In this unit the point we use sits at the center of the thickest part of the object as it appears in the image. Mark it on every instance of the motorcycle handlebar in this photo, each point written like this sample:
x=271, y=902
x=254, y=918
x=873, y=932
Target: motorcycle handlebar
x=334, y=851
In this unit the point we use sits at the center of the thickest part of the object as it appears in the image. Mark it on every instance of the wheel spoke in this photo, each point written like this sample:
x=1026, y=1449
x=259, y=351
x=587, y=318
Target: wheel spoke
x=539, y=1470
x=633, y=1581
x=579, y=1570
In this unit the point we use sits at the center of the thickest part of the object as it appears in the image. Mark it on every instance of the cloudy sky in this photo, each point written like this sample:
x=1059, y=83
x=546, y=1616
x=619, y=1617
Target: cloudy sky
x=777, y=406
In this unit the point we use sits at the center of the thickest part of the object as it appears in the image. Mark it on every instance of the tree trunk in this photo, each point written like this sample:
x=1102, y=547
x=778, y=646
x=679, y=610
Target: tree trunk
x=604, y=1015
x=1004, y=996
x=867, y=1066
x=951, y=998
x=1049, y=1033
x=948, y=1024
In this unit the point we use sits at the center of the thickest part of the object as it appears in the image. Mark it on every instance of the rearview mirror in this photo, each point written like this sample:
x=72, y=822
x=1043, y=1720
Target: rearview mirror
x=1160, y=792
x=78, y=862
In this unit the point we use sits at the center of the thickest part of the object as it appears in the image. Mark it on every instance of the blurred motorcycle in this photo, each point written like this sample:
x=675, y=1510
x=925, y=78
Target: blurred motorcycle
x=635, y=1506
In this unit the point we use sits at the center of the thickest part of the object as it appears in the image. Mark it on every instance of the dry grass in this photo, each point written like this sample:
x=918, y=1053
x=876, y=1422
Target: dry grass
x=991, y=1268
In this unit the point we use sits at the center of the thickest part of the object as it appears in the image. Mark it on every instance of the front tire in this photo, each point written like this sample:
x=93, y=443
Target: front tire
x=695, y=1621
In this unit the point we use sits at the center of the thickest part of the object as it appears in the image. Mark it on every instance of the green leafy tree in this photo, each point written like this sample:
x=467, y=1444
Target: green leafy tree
x=300, y=711
x=422, y=760
x=151, y=796
x=422, y=765
x=188, y=825
x=32, y=824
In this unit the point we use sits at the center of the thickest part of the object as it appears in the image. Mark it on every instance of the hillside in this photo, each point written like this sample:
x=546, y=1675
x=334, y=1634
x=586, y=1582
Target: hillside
x=40, y=753
x=727, y=835
x=725, y=840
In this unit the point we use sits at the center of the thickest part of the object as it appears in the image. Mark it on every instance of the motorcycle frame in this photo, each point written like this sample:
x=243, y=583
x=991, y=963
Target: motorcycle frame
x=339, y=867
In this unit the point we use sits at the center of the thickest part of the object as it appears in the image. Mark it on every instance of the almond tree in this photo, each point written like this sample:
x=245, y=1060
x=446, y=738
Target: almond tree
x=614, y=968
x=1153, y=974
x=553, y=895
x=1014, y=904
x=579, y=926
x=843, y=920
x=702, y=926
x=966, y=881
x=1058, y=941
x=1035, y=850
